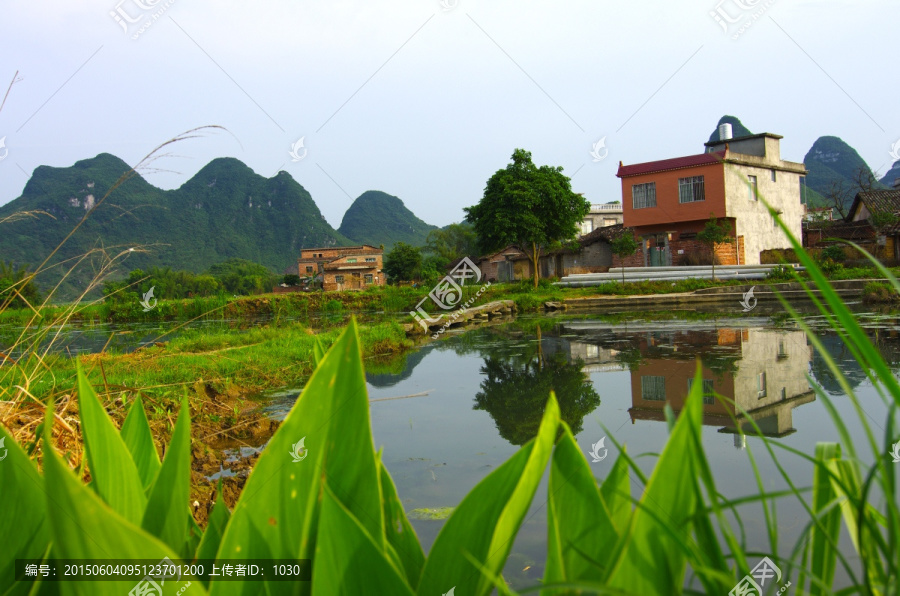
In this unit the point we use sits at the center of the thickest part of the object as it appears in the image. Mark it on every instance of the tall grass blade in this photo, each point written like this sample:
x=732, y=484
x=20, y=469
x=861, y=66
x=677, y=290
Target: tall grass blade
x=139, y=440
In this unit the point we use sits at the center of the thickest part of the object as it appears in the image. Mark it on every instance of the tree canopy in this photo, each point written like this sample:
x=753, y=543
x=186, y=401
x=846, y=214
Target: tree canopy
x=528, y=207
x=403, y=262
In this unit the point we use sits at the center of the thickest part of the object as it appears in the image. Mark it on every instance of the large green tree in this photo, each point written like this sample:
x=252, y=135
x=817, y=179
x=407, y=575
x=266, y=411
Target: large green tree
x=528, y=207
x=403, y=263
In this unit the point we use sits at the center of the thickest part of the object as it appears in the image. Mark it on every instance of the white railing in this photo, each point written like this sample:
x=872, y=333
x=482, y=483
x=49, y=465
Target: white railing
x=597, y=207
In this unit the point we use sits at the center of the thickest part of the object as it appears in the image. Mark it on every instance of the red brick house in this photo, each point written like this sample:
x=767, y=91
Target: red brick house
x=668, y=202
x=343, y=267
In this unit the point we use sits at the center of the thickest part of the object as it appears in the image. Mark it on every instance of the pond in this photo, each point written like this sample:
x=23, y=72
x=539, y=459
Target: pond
x=456, y=409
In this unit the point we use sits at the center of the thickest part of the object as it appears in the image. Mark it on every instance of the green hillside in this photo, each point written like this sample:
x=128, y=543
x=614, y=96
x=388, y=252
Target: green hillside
x=891, y=176
x=832, y=160
x=737, y=128
x=226, y=210
x=378, y=218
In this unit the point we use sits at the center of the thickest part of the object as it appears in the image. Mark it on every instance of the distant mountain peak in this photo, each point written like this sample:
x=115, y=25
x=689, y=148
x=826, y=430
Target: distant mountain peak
x=376, y=218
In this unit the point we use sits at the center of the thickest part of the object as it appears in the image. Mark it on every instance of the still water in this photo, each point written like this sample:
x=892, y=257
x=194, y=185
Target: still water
x=477, y=396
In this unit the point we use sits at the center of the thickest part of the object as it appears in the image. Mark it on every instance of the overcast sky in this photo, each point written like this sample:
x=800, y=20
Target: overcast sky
x=425, y=100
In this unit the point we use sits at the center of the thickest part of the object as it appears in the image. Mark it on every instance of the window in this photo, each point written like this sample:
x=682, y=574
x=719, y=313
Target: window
x=782, y=349
x=338, y=279
x=708, y=393
x=761, y=385
x=368, y=278
x=351, y=260
x=608, y=221
x=371, y=260
x=691, y=190
x=784, y=393
x=643, y=195
x=653, y=388
x=587, y=226
x=774, y=176
x=753, y=187
x=309, y=269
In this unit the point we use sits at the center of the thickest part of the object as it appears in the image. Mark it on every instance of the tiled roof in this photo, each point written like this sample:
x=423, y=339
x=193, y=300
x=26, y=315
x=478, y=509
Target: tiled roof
x=845, y=230
x=879, y=202
x=676, y=163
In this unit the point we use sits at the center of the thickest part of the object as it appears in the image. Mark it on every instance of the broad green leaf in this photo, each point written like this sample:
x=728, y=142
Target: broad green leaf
x=318, y=351
x=115, y=476
x=486, y=522
x=401, y=536
x=215, y=529
x=23, y=516
x=616, y=493
x=84, y=527
x=824, y=538
x=139, y=440
x=579, y=525
x=651, y=558
x=166, y=515
x=280, y=502
x=347, y=560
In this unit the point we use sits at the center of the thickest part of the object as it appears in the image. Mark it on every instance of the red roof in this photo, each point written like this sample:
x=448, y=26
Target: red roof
x=676, y=163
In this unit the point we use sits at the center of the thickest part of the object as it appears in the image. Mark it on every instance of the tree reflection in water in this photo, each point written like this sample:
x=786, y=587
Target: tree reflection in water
x=514, y=392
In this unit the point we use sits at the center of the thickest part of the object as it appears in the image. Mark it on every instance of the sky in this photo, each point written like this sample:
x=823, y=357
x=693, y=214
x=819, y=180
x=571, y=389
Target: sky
x=426, y=99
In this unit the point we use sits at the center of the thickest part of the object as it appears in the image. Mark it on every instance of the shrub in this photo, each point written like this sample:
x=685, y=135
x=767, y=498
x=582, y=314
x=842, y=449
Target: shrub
x=835, y=252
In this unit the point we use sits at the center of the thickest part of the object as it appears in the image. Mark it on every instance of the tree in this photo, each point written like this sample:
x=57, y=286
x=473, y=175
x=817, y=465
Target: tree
x=403, y=263
x=715, y=232
x=840, y=195
x=291, y=279
x=17, y=287
x=240, y=276
x=623, y=246
x=453, y=242
x=528, y=207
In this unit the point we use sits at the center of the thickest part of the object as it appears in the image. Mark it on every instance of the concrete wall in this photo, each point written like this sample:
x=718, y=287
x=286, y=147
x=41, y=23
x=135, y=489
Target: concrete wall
x=753, y=221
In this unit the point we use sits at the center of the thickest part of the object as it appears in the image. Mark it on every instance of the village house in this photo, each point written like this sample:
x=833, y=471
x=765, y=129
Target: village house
x=601, y=216
x=873, y=222
x=343, y=267
x=668, y=202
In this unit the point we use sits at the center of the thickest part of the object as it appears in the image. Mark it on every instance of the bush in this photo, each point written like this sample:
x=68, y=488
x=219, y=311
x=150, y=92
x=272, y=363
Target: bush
x=781, y=273
x=835, y=252
x=877, y=291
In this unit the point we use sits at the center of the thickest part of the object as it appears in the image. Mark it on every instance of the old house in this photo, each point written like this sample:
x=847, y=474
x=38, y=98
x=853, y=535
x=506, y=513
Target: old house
x=880, y=211
x=343, y=267
x=668, y=202
x=600, y=216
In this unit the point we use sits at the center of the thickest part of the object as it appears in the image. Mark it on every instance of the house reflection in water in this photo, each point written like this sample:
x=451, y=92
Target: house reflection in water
x=759, y=371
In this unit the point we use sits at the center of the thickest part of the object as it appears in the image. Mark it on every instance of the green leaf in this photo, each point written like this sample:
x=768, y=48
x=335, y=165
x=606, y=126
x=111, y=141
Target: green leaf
x=401, y=536
x=139, y=440
x=166, y=515
x=279, y=506
x=651, y=559
x=84, y=527
x=616, y=493
x=318, y=351
x=824, y=537
x=579, y=525
x=115, y=476
x=348, y=561
x=486, y=522
x=215, y=529
x=23, y=514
